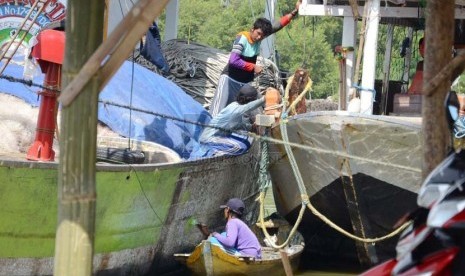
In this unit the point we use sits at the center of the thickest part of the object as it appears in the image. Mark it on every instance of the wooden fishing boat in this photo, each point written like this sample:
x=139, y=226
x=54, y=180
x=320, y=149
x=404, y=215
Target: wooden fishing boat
x=141, y=211
x=361, y=171
x=211, y=259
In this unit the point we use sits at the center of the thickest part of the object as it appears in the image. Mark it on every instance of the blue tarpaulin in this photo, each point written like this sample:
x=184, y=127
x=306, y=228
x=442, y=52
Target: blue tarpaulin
x=142, y=89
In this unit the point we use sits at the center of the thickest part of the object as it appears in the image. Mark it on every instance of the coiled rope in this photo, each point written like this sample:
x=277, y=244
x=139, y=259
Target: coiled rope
x=196, y=68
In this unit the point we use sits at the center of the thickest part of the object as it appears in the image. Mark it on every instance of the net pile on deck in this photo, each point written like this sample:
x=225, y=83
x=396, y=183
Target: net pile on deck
x=196, y=68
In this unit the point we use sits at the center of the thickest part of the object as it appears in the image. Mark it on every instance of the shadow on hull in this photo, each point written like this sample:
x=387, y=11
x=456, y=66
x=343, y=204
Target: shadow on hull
x=326, y=246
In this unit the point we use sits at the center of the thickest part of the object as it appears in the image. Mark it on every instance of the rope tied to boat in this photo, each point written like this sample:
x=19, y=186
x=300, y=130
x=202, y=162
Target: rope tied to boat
x=308, y=88
x=265, y=183
x=305, y=199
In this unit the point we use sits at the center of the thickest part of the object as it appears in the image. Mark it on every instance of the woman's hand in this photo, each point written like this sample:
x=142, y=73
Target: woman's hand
x=204, y=229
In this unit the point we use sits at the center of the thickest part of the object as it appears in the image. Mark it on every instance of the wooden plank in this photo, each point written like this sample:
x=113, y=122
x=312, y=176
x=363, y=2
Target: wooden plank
x=208, y=258
x=114, y=51
x=286, y=263
x=395, y=12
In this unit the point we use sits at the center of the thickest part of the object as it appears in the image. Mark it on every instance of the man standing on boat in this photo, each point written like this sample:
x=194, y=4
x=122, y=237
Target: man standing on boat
x=242, y=66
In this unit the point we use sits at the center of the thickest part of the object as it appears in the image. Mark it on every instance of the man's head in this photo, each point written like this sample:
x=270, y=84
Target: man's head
x=234, y=205
x=261, y=29
x=421, y=46
x=247, y=94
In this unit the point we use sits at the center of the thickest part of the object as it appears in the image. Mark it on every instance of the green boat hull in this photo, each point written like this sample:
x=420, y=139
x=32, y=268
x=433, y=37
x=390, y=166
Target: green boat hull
x=144, y=214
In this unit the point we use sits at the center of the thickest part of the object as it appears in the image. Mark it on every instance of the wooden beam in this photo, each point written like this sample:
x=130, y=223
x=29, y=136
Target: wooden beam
x=113, y=52
x=395, y=12
x=450, y=72
x=439, y=36
x=354, y=6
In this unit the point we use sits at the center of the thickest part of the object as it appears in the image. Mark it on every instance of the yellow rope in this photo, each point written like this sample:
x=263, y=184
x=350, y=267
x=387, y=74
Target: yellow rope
x=262, y=223
x=304, y=195
x=307, y=88
x=350, y=235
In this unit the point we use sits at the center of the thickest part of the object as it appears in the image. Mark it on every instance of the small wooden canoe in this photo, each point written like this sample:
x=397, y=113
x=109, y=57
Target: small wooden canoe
x=210, y=259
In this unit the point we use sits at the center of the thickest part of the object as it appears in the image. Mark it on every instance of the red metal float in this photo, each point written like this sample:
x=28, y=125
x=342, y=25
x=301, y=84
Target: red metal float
x=49, y=53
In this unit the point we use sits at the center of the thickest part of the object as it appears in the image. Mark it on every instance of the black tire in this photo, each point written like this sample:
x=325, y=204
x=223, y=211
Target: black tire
x=116, y=155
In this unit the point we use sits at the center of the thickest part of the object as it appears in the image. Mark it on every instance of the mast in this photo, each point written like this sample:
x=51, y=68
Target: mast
x=439, y=36
x=171, y=20
x=367, y=92
x=76, y=177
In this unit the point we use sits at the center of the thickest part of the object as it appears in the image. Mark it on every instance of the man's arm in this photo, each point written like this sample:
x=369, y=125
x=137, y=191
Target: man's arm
x=236, y=52
x=286, y=19
x=231, y=235
x=250, y=106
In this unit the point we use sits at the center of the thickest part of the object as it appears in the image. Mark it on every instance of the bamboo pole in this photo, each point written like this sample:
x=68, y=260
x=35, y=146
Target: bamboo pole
x=439, y=35
x=361, y=43
x=76, y=177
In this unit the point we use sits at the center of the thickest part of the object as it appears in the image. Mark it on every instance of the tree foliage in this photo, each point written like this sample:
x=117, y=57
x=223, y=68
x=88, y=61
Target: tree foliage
x=307, y=42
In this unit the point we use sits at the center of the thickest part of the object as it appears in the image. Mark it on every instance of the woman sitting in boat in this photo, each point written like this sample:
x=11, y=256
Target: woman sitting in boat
x=238, y=238
x=221, y=137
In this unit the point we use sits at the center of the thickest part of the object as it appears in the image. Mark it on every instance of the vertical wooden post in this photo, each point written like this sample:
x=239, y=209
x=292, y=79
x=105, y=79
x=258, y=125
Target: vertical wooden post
x=348, y=40
x=408, y=59
x=386, y=70
x=267, y=45
x=367, y=94
x=286, y=263
x=439, y=36
x=76, y=177
x=171, y=20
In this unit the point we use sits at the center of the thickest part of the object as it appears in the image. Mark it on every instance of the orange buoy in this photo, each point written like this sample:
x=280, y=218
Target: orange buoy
x=273, y=102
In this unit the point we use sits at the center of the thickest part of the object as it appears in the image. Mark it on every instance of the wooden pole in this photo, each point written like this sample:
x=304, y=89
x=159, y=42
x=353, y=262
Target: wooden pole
x=286, y=263
x=439, y=36
x=361, y=43
x=386, y=70
x=407, y=61
x=76, y=177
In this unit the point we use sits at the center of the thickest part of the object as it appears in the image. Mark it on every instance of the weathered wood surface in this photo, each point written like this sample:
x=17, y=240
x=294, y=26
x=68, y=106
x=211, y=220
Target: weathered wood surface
x=439, y=35
x=74, y=244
